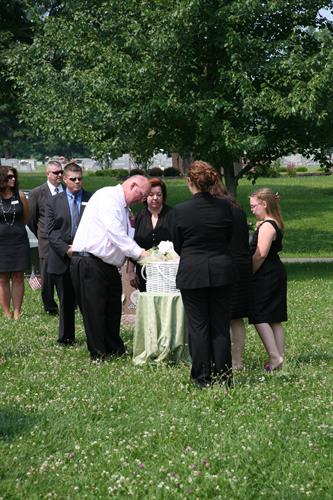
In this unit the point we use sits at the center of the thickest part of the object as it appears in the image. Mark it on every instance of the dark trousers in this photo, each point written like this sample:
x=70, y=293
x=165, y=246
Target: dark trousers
x=67, y=304
x=98, y=291
x=48, y=285
x=208, y=319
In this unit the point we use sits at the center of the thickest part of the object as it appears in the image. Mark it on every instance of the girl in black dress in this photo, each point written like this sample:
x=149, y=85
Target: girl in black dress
x=151, y=226
x=270, y=279
x=14, y=243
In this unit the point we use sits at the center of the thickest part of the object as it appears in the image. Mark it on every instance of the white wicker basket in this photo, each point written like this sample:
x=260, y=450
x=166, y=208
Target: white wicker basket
x=160, y=276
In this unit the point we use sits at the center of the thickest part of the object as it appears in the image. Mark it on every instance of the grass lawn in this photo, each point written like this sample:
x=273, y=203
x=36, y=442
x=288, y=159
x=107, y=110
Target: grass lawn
x=306, y=204
x=71, y=429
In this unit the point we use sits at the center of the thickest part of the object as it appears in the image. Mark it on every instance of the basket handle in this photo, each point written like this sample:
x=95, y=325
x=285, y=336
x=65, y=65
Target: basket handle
x=143, y=272
x=164, y=276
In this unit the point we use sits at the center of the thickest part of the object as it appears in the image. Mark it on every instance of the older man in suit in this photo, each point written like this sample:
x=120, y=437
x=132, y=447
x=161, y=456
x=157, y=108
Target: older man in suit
x=64, y=212
x=38, y=199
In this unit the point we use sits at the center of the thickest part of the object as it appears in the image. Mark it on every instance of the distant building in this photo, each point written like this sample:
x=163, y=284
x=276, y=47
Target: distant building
x=298, y=160
x=20, y=165
x=88, y=164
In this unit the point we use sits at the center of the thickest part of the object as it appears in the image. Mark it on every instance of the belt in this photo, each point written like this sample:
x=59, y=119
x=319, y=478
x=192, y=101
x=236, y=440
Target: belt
x=92, y=256
x=82, y=254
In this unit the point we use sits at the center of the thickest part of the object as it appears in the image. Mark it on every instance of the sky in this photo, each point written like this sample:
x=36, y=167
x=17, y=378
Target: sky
x=326, y=13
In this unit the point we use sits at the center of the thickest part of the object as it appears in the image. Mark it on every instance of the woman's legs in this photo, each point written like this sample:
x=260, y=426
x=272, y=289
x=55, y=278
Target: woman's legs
x=5, y=293
x=17, y=292
x=268, y=339
x=279, y=337
x=237, y=330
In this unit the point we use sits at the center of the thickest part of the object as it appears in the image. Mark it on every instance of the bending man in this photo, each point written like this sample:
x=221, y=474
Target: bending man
x=103, y=241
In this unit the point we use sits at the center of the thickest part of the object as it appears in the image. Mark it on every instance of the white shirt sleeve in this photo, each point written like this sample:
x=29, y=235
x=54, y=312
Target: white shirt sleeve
x=105, y=229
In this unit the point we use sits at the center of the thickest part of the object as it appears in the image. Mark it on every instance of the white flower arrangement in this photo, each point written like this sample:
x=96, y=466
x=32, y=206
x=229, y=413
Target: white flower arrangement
x=164, y=252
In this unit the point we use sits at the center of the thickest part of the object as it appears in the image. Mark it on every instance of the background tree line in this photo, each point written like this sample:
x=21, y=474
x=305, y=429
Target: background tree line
x=226, y=81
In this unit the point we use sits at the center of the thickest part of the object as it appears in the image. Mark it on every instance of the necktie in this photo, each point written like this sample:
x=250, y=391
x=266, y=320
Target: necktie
x=74, y=214
x=56, y=190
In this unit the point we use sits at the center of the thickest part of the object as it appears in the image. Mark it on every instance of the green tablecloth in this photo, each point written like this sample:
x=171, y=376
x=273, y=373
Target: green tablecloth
x=160, y=330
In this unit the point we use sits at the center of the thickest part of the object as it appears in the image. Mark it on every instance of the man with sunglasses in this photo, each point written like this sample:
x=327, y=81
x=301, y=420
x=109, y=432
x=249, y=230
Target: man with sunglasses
x=38, y=199
x=63, y=216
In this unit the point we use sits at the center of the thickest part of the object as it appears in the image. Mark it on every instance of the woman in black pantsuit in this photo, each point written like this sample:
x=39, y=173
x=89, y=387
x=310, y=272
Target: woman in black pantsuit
x=202, y=233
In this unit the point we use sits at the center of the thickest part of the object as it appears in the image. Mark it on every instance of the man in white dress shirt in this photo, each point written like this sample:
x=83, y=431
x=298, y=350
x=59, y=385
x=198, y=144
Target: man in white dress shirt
x=102, y=243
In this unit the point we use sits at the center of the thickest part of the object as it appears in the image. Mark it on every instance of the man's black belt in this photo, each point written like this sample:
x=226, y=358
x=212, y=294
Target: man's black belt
x=91, y=255
x=83, y=254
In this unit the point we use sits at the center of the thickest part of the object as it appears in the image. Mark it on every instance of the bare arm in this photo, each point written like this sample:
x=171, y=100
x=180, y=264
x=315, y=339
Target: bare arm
x=266, y=235
x=25, y=207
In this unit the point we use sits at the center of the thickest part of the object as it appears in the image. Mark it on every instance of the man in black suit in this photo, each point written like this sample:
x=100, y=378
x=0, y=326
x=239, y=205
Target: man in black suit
x=63, y=215
x=38, y=199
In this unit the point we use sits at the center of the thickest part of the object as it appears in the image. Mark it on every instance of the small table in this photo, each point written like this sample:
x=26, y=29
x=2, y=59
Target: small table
x=160, y=329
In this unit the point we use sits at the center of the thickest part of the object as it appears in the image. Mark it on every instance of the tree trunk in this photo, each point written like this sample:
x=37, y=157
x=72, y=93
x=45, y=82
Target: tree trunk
x=230, y=179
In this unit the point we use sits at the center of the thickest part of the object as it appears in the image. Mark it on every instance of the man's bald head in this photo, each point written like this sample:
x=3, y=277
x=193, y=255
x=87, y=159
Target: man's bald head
x=136, y=189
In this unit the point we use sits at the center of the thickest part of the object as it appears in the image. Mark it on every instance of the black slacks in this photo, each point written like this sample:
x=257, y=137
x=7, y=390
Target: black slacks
x=98, y=291
x=67, y=304
x=208, y=318
x=48, y=286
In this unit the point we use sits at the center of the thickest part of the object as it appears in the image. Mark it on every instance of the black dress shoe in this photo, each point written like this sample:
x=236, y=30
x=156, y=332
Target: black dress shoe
x=66, y=342
x=52, y=312
x=201, y=384
x=97, y=358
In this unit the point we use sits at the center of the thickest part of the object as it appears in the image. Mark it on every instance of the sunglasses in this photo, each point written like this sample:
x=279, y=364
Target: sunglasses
x=10, y=177
x=56, y=172
x=74, y=179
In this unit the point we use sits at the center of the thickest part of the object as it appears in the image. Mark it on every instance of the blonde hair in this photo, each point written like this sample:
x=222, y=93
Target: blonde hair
x=272, y=204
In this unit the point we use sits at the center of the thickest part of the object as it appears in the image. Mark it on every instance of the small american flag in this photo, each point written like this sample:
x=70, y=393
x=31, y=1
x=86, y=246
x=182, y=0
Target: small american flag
x=34, y=282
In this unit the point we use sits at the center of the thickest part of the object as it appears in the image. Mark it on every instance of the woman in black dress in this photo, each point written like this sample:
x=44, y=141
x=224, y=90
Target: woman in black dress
x=151, y=226
x=270, y=279
x=14, y=243
x=242, y=289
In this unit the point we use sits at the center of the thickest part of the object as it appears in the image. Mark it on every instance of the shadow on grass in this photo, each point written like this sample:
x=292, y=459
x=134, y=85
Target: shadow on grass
x=313, y=357
x=258, y=379
x=15, y=353
x=299, y=204
x=14, y=422
x=303, y=239
x=306, y=271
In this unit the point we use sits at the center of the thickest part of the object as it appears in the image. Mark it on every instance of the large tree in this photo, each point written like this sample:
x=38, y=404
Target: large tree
x=220, y=79
x=15, y=28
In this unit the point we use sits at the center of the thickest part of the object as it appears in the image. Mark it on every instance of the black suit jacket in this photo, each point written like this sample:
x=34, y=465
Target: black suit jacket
x=38, y=199
x=202, y=230
x=59, y=228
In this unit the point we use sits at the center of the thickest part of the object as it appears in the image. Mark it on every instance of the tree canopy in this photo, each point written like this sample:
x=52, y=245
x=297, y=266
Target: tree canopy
x=15, y=28
x=221, y=80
